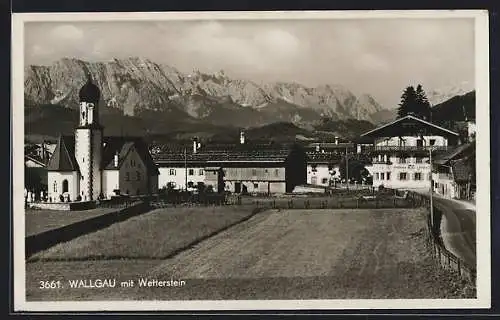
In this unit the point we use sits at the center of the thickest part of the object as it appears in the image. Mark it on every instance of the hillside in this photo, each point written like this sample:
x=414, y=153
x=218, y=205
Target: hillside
x=132, y=86
x=457, y=108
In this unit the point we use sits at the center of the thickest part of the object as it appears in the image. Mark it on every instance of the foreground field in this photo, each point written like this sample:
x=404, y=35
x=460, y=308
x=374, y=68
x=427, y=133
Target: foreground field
x=154, y=235
x=288, y=254
x=37, y=221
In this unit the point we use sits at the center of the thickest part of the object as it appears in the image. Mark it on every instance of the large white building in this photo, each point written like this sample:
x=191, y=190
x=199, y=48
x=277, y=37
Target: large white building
x=88, y=166
x=400, y=152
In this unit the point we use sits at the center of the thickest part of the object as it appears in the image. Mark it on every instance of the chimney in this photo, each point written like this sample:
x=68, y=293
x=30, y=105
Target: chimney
x=336, y=140
x=242, y=137
x=116, y=160
x=195, y=144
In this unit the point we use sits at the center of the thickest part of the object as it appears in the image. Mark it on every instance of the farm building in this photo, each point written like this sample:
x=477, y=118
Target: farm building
x=454, y=172
x=87, y=166
x=400, y=152
x=239, y=168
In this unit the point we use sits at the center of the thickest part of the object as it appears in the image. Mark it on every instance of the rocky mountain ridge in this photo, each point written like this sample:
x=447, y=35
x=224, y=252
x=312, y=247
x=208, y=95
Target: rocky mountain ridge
x=137, y=85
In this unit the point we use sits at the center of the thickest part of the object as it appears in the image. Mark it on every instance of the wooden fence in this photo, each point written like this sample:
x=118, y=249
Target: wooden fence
x=443, y=256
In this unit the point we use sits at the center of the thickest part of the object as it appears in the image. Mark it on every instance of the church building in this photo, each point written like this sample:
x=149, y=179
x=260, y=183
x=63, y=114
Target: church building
x=88, y=166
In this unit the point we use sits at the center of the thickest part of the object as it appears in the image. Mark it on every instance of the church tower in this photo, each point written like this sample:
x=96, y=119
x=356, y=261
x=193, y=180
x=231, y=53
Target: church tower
x=88, y=142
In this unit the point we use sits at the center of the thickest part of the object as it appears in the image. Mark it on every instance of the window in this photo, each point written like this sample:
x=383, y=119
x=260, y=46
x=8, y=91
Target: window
x=255, y=185
x=402, y=176
x=191, y=172
x=65, y=186
x=200, y=172
x=388, y=175
x=190, y=184
x=132, y=163
x=418, y=160
x=418, y=176
x=138, y=175
x=376, y=175
x=254, y=172
x=276, y=172
x=432, y=142
x=324, y=180
x=55, y=186
x=172, y=172
x=265, y=171
x=127, y=176
x=382, y=176
x=314, y=168
x=401, y=160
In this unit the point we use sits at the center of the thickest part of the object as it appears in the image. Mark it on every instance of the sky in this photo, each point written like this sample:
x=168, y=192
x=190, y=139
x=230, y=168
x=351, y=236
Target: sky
x=376, y=56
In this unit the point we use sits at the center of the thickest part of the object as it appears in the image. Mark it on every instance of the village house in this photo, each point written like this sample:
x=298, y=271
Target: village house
x=238, y=168
x=401, y=150
x=88, y=166
x=454, y=172
x=323, y=161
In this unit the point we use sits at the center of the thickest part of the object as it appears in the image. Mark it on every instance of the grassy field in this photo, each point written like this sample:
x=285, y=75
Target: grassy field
x=37, y=221
x=287, y=254
x=153, y=235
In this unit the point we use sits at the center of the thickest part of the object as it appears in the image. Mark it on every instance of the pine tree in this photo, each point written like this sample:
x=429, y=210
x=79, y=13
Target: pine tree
x=424, y=107
x=415, y=103
x=408, y=104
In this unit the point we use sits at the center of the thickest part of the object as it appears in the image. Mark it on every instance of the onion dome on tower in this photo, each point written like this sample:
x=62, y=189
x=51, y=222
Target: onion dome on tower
x=90, y=92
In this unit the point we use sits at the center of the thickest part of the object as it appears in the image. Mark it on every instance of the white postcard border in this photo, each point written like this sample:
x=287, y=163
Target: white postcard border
x=483, y=299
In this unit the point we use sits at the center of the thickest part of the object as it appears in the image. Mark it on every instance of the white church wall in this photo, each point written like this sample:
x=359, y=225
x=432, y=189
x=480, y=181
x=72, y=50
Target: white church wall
x=110, y=182
x=55, y=185
x=82, y=152
x=96, y=164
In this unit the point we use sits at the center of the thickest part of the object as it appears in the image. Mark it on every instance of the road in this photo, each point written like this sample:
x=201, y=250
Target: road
x=458, y=228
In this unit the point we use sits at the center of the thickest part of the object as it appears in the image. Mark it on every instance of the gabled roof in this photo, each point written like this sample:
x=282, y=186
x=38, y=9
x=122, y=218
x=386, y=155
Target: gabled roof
x=455, y=153
x=396, y=128
x=35, y=159
x=122, y=146
x=63, y=158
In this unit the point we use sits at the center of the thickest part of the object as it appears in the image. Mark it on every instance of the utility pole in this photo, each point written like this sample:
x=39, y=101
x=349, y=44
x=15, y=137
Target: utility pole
x=432, y=187
x=185, y=170
x=347, y=168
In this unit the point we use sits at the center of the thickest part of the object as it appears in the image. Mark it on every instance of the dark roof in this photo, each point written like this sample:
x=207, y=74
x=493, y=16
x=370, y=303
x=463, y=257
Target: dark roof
x=122, y=146
x=462, y=170
x=454, y=153
x=331, y=145
x=89, y=92
x=63, y=158
x=224, y=153
x=408, y=125
x=323, y=158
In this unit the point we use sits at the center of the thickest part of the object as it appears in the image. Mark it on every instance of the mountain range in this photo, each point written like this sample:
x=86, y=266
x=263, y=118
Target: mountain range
x=141, y=97
x=136, y=85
